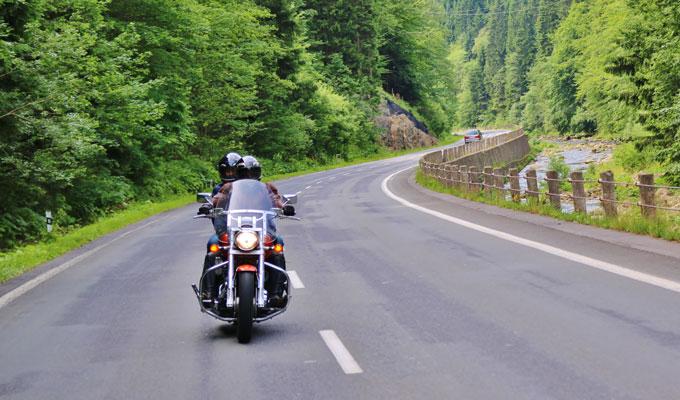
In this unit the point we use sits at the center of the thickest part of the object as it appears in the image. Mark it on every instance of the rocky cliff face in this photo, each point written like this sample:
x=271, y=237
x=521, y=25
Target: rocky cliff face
x=401, y=130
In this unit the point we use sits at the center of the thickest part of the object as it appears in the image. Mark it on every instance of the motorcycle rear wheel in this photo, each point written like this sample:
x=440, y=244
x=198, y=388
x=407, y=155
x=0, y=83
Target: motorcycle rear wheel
x=246, y=306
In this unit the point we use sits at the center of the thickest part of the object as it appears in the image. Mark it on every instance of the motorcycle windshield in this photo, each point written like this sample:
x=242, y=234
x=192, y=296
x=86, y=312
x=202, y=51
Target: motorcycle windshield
x=249, y=194
x=248, y=198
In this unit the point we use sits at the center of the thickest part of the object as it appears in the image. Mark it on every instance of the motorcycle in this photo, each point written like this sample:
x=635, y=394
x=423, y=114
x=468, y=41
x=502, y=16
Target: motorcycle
x=241, y=266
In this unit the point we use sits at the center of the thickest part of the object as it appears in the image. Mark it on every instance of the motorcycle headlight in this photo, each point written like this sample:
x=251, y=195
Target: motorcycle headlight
x=246, y=240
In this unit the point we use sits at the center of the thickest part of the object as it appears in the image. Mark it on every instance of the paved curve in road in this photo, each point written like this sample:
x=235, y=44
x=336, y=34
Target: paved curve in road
x=396, y=303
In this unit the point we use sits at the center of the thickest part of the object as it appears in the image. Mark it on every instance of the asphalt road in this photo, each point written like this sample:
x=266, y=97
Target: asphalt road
x=424, y=307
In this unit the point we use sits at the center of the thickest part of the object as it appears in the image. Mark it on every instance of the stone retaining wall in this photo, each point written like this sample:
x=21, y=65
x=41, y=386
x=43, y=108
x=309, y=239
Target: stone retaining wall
x=502, y=150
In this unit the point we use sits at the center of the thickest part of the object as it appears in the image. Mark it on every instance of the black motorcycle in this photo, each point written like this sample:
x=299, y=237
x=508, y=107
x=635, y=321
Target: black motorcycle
x=240, y=263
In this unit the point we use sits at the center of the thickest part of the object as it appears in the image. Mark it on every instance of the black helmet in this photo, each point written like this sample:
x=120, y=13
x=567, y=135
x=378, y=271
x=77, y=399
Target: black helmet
x=252, y=168
x=228, y=166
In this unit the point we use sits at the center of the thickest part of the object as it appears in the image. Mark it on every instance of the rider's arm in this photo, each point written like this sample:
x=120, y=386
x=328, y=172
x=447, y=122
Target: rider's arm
x=216, y=189
x=220, y=200
x=274, y=194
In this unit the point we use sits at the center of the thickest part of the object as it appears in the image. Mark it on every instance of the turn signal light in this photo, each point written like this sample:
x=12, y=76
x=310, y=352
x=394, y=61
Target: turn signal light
x=214, y=248
x=278, y=248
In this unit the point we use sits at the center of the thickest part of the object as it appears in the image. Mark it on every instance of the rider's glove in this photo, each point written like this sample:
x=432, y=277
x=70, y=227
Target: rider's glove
x=205, y=209
x=288, y=211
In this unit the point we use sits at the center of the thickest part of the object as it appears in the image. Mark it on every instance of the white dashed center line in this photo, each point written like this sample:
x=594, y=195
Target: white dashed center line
x=340, y=352
x=295, y=280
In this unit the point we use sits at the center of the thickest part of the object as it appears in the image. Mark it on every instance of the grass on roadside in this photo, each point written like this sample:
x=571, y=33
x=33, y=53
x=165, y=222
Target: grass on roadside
x=665, y=226
x=22, y=259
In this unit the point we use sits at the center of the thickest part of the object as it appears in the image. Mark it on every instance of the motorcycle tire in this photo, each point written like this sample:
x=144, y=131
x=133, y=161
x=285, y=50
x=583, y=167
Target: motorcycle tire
x=246, y=306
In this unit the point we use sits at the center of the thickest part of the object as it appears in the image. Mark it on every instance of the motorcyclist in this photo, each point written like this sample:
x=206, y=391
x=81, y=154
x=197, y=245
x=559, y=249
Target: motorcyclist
x=252, y=169
x=228, y=167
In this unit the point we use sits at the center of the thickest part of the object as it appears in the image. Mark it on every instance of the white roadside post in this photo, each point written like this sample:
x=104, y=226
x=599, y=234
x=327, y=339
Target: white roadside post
x=48, y=220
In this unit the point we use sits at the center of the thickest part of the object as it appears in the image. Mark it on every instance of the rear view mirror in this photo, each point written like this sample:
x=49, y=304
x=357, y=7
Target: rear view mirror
x=203, y=197
x=290, y=198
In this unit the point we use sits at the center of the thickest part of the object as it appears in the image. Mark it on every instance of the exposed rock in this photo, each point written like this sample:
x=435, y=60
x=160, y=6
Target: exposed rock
x=401, y=129
x=392, y=108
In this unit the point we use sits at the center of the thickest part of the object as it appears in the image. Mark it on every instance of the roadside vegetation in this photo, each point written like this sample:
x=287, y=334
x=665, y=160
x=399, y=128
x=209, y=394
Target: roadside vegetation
x=104, y=104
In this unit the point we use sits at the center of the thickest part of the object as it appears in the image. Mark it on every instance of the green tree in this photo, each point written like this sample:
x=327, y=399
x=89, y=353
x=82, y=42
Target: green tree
x=653, y=58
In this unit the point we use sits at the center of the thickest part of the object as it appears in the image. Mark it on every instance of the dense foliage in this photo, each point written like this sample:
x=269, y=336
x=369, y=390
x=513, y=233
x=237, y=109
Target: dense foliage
x=103, y=103
x=608, y=67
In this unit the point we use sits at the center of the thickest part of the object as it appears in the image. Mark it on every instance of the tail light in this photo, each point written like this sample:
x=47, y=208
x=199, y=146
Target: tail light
x=268, y=240
x=224, y=238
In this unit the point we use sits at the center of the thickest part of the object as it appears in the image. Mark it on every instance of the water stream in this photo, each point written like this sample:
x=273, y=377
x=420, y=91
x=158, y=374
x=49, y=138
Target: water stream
x=578, y=155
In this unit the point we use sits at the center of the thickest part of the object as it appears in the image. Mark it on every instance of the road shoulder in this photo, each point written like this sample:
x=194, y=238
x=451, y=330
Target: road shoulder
x=651, y=256
x=625, y=239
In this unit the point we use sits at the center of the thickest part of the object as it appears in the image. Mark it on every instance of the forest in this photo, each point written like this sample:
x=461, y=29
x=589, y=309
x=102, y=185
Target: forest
x=104, y=103
x=609, y=68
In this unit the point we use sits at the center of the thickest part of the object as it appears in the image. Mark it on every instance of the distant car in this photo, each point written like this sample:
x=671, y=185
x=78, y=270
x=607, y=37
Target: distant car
x=473, y=135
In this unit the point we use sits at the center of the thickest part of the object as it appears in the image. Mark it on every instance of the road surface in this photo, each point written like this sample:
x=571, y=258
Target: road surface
x=397, y=304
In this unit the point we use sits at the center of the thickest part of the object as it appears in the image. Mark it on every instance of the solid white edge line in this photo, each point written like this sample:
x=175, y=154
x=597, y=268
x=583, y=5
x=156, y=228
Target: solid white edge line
x=591, y=262
x=295, y=280
x=340, y=352
x=23, y=289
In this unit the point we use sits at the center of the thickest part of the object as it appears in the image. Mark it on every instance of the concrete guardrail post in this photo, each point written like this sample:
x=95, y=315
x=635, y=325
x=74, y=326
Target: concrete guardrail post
x=578, y=191
x=514, y=185
x=553, y=188
x=647, y=192
x=532, y=185
x=608, y=198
